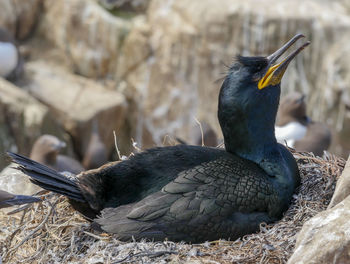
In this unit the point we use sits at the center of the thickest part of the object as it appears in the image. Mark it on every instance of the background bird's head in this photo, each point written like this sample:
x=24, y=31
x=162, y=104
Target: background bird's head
x=249, y=99
x=46, y=149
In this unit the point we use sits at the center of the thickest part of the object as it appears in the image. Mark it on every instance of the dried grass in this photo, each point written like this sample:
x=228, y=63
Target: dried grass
x=52, y=232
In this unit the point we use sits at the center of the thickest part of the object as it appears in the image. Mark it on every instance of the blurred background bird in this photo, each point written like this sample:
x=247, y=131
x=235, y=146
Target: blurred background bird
x=297, y=130
x=46, y=150
x=96, y=154
x=11, y=64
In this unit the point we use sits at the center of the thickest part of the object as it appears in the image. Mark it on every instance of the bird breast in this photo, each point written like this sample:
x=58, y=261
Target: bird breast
x=290, y=133
x=8, y=58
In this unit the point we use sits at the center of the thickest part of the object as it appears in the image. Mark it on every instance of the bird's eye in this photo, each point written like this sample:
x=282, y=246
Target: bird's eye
x=259, y=67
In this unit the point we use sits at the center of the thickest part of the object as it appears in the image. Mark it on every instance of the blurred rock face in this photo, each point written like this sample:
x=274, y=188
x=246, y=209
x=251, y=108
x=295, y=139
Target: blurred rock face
x=175, y=54
x=166, y=61
x=19, y=17
x=22, y=120
x=76, y=102
x=333, y=98
x=88, y=34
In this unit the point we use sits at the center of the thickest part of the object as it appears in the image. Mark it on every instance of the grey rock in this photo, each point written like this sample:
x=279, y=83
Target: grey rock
x=23, y=119
x=325, y=237
x=342, y=190
x=19, y=17
x=91, y=37
x=76, y=102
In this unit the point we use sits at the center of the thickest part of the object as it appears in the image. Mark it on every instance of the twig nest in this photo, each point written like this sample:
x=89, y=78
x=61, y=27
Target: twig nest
x=52, y=231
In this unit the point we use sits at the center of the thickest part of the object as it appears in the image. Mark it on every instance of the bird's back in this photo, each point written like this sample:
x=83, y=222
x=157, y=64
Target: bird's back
x=224, y=196
x=145, y=173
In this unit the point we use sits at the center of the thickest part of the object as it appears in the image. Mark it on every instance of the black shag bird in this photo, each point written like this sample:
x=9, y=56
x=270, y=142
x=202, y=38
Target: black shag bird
x=9, y=199
x=195, y=193
x=295, y=128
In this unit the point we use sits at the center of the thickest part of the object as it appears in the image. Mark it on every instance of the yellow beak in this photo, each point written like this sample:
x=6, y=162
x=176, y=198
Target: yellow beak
x=274, y=74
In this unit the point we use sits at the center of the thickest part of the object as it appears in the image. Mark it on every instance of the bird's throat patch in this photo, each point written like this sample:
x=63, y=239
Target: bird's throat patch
x=272, y=77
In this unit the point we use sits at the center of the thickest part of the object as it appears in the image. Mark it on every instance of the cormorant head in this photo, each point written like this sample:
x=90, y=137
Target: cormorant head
x=249, y=99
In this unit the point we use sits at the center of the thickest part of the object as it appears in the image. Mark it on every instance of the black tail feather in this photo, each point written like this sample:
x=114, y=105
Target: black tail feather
x=18, y=200
x=71, y=195
x=48, y=178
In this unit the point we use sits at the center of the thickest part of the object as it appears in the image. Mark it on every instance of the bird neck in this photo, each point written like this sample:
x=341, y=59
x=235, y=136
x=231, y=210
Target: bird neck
x=249, y=132
x=248, y=127
x=250, y=141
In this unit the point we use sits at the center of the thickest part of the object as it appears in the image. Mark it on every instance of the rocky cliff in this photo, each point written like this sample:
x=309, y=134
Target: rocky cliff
x=168, y=57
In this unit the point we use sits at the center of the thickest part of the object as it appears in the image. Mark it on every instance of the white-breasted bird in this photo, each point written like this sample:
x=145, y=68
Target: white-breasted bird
x=297, y=130
x=11, y=65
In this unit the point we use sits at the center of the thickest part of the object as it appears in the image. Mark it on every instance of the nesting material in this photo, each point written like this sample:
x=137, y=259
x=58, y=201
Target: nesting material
x=52, y=232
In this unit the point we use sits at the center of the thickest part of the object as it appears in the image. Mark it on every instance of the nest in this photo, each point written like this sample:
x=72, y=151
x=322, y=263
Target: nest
x=52, y=232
